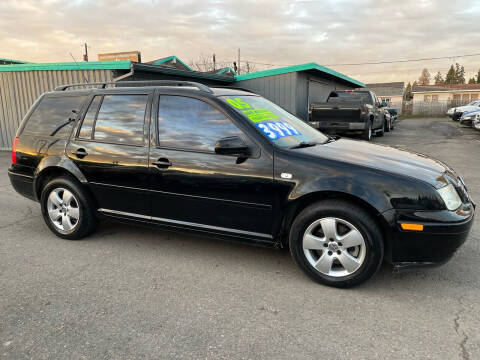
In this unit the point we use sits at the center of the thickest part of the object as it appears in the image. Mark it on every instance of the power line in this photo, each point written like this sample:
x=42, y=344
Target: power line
x=377, y=62
x=405, y=60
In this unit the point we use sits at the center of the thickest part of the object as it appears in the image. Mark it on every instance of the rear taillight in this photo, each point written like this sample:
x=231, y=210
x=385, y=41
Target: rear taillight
x=14, y=151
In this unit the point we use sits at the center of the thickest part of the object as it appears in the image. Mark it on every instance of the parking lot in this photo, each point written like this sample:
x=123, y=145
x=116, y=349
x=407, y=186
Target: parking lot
x=136, y=293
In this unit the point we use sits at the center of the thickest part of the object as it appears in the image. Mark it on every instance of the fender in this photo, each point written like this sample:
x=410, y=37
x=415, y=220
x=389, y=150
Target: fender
x=58, y=161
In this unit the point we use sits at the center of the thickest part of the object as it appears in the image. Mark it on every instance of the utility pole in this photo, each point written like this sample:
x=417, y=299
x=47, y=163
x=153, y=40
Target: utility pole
x=238, y=64
x=214, y=65
x=85, y=56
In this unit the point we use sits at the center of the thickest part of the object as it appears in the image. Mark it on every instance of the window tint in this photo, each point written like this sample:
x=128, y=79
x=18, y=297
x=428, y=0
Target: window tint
x=52, y=116
x=351, y=96
x=87, y=124
x=120, y=119
x=191, y=124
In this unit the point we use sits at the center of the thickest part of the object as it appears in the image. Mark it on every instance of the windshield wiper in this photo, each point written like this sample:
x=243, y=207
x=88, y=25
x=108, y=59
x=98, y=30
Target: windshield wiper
x=331, y=139
x=303, y=144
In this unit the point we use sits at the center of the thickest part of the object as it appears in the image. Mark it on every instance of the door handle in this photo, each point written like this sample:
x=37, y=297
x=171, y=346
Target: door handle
x=162, y=163
x=80, y=153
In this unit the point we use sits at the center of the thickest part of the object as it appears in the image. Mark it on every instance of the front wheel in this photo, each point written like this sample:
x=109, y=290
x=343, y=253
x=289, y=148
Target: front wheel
x=381, y=132
x=367, y=134
x=67, y=209
x=336, y=243
x=389, y=126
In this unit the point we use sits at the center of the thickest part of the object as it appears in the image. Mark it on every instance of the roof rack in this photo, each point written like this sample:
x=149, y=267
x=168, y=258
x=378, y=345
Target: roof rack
x=103, y=85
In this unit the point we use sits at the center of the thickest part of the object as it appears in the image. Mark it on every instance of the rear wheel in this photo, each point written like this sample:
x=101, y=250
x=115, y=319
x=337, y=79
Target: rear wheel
x=336, y=243
x=67, y=209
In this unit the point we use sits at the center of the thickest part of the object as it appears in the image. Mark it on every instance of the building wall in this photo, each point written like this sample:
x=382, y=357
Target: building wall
x=293, y=91
x=20, y=89
x=448, y=96
x=280, y=89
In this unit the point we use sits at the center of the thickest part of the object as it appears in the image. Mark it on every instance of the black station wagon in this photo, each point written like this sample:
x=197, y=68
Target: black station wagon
x=230, y=163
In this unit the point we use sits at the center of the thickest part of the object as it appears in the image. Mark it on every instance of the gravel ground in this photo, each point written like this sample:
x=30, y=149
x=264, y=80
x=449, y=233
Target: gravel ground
x=136, y=293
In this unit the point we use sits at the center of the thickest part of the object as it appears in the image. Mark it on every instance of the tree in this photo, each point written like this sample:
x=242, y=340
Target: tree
x=451, y=76
x=408, y=91
x=202, y=63
x=424, y=78
x=439, y=79
x=459, y=74
x=478, y=77
x=471, y=80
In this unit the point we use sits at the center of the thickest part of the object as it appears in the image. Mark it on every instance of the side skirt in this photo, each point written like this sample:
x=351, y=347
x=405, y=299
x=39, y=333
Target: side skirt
x=218, y=232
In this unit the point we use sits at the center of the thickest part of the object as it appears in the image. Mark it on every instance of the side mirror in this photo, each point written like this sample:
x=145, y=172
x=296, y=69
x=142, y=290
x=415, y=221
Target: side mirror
x=232, y=145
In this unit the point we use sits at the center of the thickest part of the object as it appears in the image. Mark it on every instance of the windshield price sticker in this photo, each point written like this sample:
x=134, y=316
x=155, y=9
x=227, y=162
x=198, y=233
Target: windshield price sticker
x=277, y=129
x=254, y=115
x=258, y=115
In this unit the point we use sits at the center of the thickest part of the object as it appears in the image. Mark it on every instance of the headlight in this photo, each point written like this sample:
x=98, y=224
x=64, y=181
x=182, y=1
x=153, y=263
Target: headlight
x=450, y=197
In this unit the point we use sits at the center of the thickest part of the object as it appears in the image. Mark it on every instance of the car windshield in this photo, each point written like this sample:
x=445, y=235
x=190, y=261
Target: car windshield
x=279, y=126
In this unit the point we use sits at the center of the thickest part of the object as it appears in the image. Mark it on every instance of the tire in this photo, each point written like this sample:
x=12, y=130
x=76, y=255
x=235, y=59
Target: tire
x=64, y=199
x=389, y=126
x=381, y=132
x=368, y=255
x=367, y=134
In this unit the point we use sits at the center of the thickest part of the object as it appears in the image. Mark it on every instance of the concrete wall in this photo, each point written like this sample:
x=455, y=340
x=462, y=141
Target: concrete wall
x=20, y=89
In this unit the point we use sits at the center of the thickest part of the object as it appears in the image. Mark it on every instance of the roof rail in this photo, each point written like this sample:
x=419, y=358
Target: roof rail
x=103, y=85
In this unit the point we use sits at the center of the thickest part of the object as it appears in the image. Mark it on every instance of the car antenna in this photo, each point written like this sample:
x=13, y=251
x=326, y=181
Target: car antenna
x=84, y=78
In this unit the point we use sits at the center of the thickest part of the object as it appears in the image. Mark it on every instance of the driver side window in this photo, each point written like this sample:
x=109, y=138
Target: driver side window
x=190, y=124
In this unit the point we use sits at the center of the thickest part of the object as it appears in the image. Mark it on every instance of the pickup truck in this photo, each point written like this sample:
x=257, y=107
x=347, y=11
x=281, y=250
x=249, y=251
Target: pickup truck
x=350, y=111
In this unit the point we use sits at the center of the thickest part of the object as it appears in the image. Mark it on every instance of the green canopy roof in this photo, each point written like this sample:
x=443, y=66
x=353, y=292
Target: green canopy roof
x=302, y=67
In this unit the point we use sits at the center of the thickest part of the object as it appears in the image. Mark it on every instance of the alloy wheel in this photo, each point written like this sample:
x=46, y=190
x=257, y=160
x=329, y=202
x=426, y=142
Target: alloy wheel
x=334, y=247
x=63, y=210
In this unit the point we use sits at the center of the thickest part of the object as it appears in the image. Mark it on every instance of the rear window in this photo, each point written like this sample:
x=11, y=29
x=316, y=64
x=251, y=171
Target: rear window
x=354, y=96
x=119, y=120
x=54, y=116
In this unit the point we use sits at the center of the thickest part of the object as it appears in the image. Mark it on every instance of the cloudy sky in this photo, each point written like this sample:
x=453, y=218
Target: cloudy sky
x=270, y=33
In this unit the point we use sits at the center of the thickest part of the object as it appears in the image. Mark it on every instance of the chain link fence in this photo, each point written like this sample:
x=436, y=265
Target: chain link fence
x=430, y=108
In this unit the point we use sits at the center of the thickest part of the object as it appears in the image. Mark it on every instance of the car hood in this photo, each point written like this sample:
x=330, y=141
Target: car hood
x=471, y=112
x=382, y=157
x=466, y=108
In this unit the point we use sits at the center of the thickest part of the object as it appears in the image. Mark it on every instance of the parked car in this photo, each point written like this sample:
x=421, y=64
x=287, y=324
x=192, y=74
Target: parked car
x=468, y=117
x=393, y=115
x=388, y=120
x=350, y=111
x=476, y=122
x=458, y=111
x=450, y=112
x=229, y=163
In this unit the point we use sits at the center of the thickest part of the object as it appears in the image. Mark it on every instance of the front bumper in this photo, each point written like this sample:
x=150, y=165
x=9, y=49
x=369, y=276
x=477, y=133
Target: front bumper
x=466, y=121
x=443, y=233
x=457, y=115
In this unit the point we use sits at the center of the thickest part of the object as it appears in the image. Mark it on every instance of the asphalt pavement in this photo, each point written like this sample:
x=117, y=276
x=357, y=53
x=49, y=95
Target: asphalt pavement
x=129, y=292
